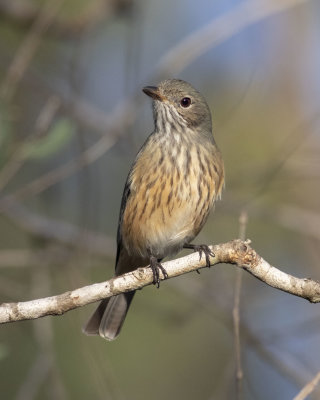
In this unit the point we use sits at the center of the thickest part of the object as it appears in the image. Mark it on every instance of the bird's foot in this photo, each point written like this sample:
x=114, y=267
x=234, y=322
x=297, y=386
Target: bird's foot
x=202, y=249
x=156, y=266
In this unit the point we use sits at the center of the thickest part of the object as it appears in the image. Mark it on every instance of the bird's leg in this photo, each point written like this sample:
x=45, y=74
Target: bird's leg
x=155, y=265
x=201, y=248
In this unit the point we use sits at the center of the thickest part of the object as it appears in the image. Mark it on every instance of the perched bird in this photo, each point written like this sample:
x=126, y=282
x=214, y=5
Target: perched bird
x=171, y=187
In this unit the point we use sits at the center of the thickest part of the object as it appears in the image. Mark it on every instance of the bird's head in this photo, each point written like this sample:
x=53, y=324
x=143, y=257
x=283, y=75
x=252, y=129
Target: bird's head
x=177, y=104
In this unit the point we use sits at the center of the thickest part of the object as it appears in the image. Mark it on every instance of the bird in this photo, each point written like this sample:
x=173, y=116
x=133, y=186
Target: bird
x=172, y=185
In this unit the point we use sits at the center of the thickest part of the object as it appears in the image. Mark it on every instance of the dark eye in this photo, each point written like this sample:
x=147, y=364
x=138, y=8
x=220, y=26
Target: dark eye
x=185, y=102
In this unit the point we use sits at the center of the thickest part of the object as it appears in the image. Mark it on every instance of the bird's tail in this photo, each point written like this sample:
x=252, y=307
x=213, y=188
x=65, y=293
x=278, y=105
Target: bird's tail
x=108, y=318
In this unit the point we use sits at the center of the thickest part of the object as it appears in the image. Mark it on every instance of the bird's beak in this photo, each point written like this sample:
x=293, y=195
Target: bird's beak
x=153, y=92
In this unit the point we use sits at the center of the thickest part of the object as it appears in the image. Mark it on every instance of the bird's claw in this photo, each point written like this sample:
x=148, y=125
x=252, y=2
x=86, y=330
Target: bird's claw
x=202, y=249
x=155, y=266
x=205, y=249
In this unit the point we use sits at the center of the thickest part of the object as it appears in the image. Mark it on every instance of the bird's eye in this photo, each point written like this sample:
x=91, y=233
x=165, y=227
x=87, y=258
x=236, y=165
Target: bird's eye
x=185, y=102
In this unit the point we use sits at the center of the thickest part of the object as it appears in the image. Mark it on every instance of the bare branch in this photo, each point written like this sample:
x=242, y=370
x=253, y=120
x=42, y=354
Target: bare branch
x=211, y=35
x=16, y=161
x=309, y=388
x=243, y=220
x=59, y=231
x=88, y=15
x=87, y=157
x=219, y=30
x=235, y=252
x=28, y=48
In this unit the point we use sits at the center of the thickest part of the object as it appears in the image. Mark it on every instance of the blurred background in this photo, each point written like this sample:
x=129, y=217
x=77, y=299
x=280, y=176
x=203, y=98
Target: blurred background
x=72, y=118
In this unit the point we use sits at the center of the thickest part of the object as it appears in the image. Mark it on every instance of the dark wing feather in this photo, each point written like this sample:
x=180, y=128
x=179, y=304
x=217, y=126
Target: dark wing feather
x=125, y=195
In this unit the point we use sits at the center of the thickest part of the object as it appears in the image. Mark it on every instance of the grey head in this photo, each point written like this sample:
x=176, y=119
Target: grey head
x=177, y=104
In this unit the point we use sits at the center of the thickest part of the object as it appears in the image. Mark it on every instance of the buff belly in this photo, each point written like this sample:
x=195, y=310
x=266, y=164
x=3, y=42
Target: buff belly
x=160, y=222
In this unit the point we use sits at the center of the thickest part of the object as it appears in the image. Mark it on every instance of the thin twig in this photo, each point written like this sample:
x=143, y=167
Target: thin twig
x=16, y=160
x=87, y=157
x=303, y=221
x=44, y=337
x=243, y=219
x=89, y=14
x=234, y=252
x=59, y=231
x=286, y=368
x=217, y=31
x=309, y=388
x=28, y=47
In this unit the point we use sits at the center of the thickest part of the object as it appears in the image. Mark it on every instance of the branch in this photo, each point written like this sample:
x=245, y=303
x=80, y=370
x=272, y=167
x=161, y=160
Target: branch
x=173, y=62
x=56, y=230
x=66, y=26
x=243, y=221
x=219, y=30
x=235, y=252
x=309, y=388
x=28, y=48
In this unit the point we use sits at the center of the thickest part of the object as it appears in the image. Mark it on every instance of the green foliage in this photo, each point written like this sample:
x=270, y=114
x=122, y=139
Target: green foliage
x=57, y=138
